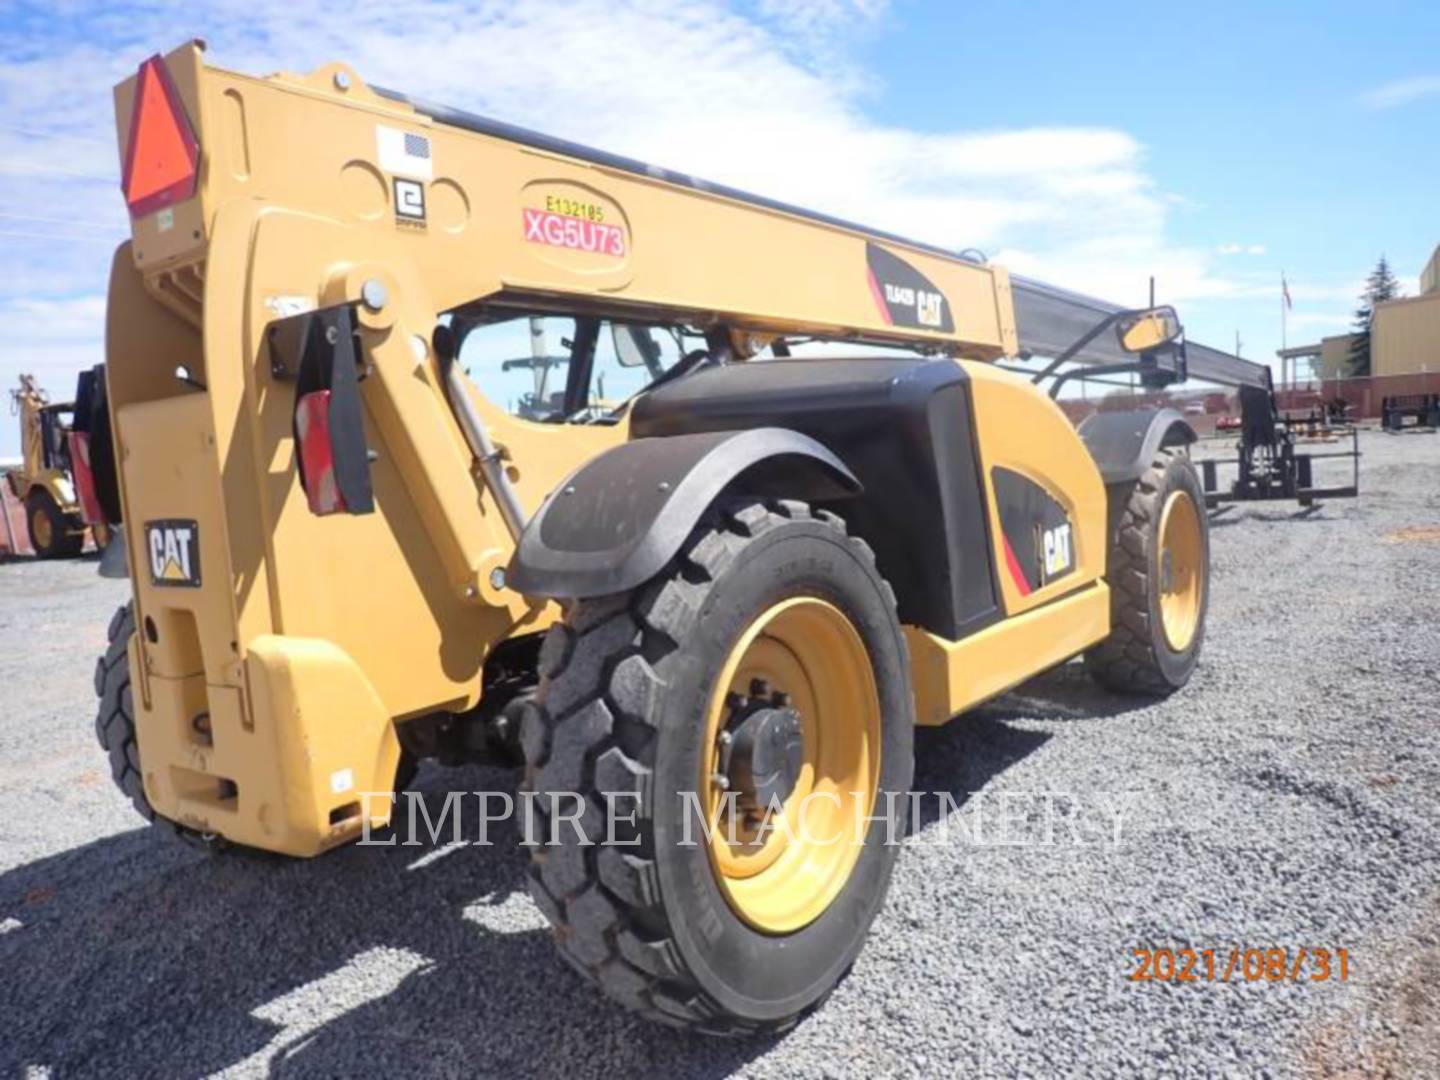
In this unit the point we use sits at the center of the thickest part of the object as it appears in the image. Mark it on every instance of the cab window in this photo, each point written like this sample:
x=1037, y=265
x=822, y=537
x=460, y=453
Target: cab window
x=557, y=368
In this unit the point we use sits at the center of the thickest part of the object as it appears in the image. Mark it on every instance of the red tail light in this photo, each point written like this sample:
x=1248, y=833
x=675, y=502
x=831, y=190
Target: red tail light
x=162, y=156
x=317, y=460
x=85, y=478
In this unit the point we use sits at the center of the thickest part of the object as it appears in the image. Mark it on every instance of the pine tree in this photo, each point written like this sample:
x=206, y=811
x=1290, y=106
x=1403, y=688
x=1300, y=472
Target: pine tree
x=1380, y=286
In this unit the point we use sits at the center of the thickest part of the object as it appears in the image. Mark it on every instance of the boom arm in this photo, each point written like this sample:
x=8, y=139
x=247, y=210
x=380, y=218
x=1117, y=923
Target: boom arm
x=556, y=224
x=1048, y=319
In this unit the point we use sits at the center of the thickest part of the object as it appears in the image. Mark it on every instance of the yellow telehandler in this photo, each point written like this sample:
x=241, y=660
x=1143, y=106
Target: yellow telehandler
x=691, y=575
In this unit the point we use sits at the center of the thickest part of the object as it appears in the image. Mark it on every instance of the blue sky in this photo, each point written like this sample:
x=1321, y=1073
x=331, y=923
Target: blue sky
x=1088, y=144
x=1309, y=129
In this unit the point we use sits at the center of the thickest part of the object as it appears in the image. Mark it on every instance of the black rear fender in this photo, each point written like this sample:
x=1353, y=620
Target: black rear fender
x=616, y=521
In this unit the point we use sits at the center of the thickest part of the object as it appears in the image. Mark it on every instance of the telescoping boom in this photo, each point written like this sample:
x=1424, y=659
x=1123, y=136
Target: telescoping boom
x=615, y=244
x=1049, y=320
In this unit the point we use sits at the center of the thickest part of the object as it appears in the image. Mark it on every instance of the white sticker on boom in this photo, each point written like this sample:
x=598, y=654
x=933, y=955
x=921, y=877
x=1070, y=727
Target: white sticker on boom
x=342, y=780
x=404, y=153
x=284, y=306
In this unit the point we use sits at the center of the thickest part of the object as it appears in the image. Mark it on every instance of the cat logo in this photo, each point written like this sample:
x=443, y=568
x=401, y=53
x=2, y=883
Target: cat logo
x=929, y=310
x=174, y=550
x=1057, y=551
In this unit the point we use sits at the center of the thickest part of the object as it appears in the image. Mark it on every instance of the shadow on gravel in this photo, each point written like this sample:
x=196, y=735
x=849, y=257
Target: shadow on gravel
x=961, y=757
x=138, y=957
x=1307, y=513
x=1065, y=694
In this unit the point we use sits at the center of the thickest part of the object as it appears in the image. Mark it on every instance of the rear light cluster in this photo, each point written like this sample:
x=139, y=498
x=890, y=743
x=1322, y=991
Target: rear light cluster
x=162, y=155
x=317, y=459
x=85, y=479
x=318, y=350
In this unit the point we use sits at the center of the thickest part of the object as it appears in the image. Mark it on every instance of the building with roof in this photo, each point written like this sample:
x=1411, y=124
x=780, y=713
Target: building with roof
x=1404, y=337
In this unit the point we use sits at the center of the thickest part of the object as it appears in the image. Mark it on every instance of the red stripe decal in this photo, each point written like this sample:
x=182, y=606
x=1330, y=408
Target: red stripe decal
x=1016, y=574
x=879, y=297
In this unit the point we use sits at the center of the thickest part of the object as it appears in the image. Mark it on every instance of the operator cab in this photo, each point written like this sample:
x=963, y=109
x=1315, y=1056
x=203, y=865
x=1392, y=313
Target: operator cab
x=581, y=369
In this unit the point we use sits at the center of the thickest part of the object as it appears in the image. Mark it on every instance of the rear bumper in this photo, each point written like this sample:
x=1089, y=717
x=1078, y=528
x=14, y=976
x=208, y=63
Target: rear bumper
x=270, y=740
x=295, y=760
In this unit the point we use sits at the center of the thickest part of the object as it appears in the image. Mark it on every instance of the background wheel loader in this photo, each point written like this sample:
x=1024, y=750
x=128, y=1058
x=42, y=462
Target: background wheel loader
x=52, y=481
x=721, y=590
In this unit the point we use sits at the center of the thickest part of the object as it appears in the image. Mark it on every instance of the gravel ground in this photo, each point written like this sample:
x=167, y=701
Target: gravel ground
x=1289, y=796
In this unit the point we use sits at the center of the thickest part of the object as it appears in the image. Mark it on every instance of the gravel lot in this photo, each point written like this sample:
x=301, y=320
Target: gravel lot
x=1289, y=796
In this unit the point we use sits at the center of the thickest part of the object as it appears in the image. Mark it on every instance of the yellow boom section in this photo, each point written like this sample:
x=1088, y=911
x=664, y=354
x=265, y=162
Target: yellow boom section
x=486, y=209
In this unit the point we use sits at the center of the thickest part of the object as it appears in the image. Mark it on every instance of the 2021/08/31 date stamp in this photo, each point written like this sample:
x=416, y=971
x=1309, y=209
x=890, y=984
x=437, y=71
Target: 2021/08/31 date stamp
x=1302, y=964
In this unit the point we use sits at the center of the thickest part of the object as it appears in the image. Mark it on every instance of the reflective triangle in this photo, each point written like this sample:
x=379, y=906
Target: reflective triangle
x=162, y=155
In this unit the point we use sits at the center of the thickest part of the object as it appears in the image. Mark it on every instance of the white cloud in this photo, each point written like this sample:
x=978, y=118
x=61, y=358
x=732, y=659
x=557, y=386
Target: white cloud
x=1241, y=249
x=751, y=96
x=812, y=20
x=1392, y=95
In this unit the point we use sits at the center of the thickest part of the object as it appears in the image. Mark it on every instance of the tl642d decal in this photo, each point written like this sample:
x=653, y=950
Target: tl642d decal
x=904, y=296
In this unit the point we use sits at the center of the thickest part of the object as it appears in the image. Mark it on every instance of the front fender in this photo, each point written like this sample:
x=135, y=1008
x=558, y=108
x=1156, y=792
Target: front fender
x=1124, y=443
x=616, y=521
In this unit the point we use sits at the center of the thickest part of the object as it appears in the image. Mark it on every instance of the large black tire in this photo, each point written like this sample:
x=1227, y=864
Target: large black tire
x=625, y=685
x=115, y=730
x=1137, y=658
x=56, y=537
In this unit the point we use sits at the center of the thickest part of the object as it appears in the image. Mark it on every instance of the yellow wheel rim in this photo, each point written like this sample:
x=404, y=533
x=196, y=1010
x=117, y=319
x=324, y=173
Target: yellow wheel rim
x=781, y=872
x=1182, y=570
x=40, y=526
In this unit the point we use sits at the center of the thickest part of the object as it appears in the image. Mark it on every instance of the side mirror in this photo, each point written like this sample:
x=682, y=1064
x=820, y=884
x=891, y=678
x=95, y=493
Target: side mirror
x=1144, y=331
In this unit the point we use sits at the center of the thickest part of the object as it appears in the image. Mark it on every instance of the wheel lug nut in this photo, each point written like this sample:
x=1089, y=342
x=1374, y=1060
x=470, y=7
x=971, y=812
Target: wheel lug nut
x=759, y=688
x=720, y=780
x=725, y=738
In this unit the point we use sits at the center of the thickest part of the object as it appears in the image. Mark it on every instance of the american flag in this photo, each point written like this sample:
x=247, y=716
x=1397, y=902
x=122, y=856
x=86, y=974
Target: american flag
x=1285, y=292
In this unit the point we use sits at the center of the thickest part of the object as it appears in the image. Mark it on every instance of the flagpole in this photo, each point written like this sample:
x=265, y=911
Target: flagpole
x=1284, y=342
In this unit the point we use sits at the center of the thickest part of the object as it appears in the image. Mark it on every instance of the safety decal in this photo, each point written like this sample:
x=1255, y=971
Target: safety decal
x=904, y=296
x=173, y=547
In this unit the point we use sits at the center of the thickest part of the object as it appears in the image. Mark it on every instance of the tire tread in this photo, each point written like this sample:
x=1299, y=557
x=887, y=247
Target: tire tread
x=115, y=731
x=1126, y=661
x=606, y=911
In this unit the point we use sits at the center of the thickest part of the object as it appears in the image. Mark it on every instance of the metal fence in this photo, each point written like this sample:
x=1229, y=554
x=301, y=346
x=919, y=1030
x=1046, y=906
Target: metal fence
x=1365, y=397
x=1205, y=409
